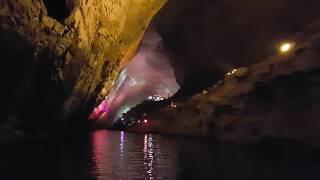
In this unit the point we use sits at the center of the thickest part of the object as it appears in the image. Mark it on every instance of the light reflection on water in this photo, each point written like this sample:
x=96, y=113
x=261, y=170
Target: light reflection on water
x=112, y=155
x=136, y=156
x=148, y=155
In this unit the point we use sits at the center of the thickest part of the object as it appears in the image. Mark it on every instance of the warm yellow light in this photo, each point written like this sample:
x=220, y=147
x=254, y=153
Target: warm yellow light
x=286, y=47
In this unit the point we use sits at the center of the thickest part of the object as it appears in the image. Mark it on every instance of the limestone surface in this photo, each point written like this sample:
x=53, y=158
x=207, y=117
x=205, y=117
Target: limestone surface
x=56, y=64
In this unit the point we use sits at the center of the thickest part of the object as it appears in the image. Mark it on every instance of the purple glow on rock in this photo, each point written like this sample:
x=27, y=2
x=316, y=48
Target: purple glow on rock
x=148, y=74
x=100, y=111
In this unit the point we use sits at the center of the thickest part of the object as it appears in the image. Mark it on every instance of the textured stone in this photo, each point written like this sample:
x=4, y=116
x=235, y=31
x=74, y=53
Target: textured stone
x=67, y=62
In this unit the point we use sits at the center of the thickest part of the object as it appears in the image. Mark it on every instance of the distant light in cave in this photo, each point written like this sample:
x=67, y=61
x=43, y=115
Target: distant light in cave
x=172, y=105
x=156, y=98
x=149, y=76
x=286, y=47
x=232, y=72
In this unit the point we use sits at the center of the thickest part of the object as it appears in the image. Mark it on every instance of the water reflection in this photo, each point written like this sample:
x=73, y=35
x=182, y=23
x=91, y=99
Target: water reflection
x=111, y=155
x=121, y=145
x=133, y=156
x=148, y=155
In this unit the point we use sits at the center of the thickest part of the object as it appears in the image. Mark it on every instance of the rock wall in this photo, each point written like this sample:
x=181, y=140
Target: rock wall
x=277, y=98
x=55, y=66
x=209, y=38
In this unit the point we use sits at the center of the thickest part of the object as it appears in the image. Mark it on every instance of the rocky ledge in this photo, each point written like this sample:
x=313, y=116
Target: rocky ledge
x=278, y=98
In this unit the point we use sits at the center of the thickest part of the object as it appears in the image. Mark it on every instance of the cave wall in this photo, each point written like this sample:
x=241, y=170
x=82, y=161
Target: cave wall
x=275, y=100
x=59, y=55
x=208, y=38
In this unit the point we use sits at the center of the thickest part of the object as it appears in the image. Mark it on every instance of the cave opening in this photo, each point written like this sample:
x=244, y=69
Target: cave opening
x=57, y=9
x=148, y=77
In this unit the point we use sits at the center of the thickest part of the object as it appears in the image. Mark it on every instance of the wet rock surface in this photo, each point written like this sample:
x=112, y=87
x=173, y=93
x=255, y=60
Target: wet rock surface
x=58, y=56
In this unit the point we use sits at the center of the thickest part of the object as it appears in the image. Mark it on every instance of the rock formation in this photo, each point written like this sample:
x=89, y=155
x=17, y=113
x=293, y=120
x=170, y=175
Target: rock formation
x=208, y=38
x=61, y=57
x=58, y=56
x=277, y=98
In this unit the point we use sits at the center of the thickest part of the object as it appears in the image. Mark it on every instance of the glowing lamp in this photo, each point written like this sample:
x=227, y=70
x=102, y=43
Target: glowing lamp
x=285, y=47
x=145, y=121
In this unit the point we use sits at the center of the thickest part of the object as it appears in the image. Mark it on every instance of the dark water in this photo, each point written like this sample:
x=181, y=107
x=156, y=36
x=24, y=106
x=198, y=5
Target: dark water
x=117, y=155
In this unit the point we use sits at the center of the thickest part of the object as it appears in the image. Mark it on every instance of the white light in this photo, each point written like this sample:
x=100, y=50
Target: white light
x=233, y=71
x=286, y=47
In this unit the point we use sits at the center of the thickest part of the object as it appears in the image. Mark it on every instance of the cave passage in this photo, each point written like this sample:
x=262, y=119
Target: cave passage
x=148, y=76
x=57, y=9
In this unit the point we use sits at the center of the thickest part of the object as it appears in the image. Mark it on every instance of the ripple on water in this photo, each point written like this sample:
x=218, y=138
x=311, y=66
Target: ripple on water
x=133, y=156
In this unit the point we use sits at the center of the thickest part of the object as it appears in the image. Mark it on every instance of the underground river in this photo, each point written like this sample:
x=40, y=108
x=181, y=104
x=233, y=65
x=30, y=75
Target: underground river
x=104, y=155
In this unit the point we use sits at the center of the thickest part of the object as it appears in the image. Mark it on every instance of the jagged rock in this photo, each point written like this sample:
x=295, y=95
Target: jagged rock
x=57, y=63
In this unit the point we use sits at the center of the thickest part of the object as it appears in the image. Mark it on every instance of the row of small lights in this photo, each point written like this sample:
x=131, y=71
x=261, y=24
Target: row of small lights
x=144, y=121
x=156, y=98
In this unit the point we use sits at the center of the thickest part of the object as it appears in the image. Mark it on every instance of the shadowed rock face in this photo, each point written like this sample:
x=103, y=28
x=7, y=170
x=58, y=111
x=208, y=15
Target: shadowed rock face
x=208, y=38
x=276, y=98
x=58, y=55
